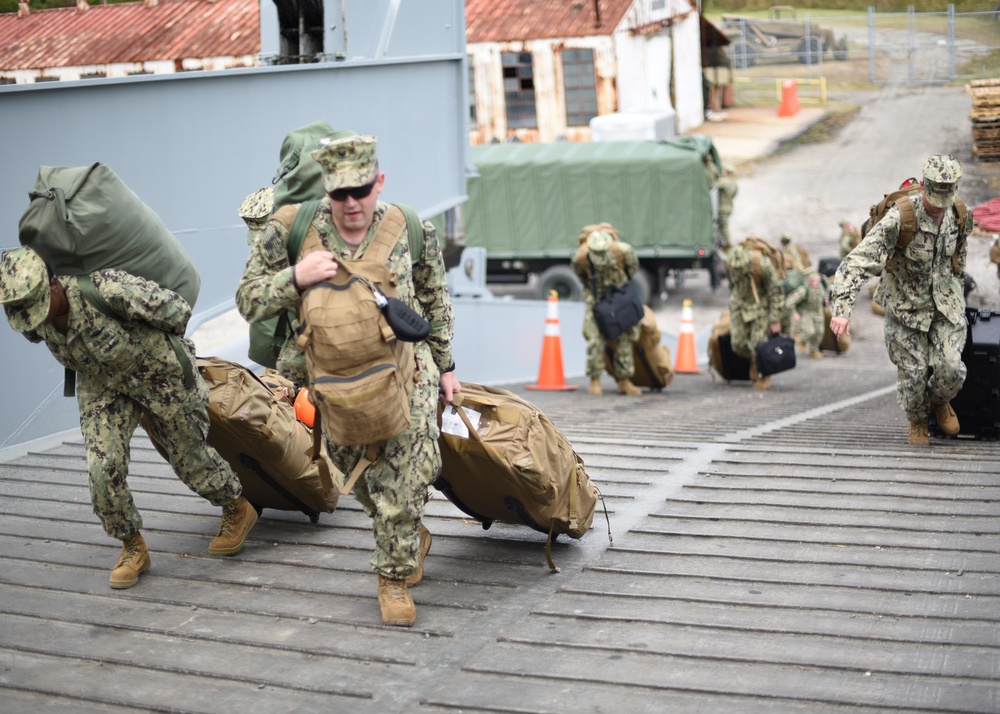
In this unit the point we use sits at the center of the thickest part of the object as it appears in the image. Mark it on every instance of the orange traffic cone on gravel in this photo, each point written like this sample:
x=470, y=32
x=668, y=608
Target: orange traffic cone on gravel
x=687, y=362
x=550, y=371
x=789, y=106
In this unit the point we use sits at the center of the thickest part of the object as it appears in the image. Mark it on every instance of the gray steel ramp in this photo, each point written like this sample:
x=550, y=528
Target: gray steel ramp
x=786, y=551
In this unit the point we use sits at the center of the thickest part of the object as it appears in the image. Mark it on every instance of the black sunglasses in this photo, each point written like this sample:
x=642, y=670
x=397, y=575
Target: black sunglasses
x=357, y=192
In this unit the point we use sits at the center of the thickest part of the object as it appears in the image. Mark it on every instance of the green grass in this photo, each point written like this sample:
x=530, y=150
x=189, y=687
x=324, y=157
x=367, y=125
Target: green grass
x=985, y=66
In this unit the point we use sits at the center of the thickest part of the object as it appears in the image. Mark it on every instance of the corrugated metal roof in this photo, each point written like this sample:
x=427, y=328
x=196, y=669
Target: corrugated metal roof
x=501, y=20
x=129, y=32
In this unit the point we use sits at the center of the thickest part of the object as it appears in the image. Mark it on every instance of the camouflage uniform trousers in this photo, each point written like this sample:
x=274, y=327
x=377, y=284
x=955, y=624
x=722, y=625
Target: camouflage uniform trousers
x=393, y=490
x=622, y=351
x=745, y=336
x=919, y=355
x=177, y=416
x=811, y=328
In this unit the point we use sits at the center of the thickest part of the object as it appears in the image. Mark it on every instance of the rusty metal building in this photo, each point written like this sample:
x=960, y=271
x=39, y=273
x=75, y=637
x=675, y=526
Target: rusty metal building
x=540, y=70
x=150, y=37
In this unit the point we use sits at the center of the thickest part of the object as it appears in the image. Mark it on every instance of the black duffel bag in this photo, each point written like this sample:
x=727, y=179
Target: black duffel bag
x=775, y=354
x=618, y=311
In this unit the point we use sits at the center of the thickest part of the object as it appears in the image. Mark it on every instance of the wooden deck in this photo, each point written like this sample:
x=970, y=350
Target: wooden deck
x=786, y=551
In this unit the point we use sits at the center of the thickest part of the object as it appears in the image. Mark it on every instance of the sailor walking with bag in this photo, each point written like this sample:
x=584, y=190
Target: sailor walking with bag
x=605, y=266
x=357, y=245
x=125, y=369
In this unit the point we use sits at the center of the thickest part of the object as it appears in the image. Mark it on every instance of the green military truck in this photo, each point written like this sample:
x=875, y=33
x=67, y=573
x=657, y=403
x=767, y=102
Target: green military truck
x=528, y=202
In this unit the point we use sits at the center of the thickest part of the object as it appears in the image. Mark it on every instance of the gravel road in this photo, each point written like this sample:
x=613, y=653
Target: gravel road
x=806, y=189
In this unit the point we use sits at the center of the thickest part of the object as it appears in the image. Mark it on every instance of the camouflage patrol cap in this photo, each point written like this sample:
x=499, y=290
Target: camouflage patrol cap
x=347, y=162
x=844, y=223
x=24, y=288
x=941, y=175
x=786, y=238
x=599, y=241
x=257, y=206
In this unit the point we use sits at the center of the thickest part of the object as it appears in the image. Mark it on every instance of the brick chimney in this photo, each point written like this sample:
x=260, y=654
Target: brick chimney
x=22, y=8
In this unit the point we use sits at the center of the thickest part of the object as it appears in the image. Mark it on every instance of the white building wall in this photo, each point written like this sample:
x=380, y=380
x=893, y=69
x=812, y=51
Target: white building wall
x=688, y=74
x=550, y=97
x=633, y=73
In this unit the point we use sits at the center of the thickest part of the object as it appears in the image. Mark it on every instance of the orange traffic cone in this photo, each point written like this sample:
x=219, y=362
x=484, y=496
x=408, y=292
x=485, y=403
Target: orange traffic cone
x=686, y=361
x=789, y=99
x=550, y=372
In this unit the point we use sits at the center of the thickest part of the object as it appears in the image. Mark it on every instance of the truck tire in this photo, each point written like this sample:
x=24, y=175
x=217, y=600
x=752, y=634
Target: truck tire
x=563, y=280
x=840, y=52
x=810, y=50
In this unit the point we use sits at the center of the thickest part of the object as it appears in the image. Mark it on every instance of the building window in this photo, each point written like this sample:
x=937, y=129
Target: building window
x=8, y=80
x=473, y=122
x=580, y=86
x=519, y=90
x=46, y=79
x=94, y=75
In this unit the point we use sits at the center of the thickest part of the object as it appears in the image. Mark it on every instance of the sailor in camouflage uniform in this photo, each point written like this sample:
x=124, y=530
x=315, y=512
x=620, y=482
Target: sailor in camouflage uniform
x=126, y=370
x=756, y=307
x=849, y=237
x=727, y=193
x=807, y=304
x=921, y=292
x=393, y=490
x=614, y=263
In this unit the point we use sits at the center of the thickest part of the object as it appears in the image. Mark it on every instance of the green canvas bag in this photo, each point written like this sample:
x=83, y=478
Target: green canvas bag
x=84, y=218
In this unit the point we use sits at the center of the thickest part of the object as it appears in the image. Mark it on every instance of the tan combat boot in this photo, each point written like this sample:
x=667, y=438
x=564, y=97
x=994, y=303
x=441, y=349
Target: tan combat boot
x=947, y=419
x=238, y=518
x=918, y=433
x=816, y=354
x=133, y=561
x=425, y=547
x=761, y=383
x=626, y=387
x=595, y=387
x=397, y=605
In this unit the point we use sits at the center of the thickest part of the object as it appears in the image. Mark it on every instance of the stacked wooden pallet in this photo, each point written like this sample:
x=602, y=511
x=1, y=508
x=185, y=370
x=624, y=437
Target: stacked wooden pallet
x=985, y=115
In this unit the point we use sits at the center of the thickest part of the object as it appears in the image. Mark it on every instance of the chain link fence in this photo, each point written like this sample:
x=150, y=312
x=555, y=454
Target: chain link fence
x=855, y=52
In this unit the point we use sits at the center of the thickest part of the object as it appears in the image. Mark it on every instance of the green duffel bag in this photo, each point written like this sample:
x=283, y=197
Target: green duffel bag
x=299, y=179
x=84, y=218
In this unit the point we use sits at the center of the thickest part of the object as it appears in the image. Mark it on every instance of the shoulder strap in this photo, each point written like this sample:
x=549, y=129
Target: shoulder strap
x=300, y=226
x=415, y=231
x=386, y=236
x=89, y=290
x=962, y=214
x=907, y=221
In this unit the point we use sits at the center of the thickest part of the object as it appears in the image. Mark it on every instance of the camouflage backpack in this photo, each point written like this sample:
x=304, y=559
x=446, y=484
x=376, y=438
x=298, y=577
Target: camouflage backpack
x=908, y=219
x=746, y=257
x=299, y=179
x=361, y=375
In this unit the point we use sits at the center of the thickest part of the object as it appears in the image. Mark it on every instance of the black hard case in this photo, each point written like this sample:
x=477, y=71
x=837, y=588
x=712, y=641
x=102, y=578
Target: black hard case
x=977, y=405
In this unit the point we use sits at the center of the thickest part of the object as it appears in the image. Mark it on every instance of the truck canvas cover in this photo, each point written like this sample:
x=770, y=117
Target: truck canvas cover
x=530, y=200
